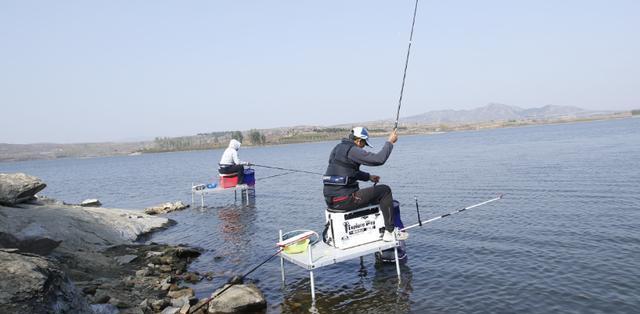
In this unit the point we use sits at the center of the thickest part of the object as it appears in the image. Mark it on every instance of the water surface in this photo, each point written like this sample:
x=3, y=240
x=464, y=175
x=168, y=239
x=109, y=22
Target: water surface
x=565, y=238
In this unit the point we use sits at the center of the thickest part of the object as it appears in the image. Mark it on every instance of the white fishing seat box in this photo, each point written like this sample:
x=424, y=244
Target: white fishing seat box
x=347, y=229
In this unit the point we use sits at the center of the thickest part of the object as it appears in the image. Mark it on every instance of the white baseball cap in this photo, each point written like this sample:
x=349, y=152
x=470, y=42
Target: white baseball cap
x=362, y=133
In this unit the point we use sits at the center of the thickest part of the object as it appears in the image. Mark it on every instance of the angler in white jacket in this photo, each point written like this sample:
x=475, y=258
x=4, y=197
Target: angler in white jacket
x=230, y=163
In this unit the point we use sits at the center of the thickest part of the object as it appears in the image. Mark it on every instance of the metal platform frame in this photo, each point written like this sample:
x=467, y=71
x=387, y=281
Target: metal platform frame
x=246, y=191
x=321, y=254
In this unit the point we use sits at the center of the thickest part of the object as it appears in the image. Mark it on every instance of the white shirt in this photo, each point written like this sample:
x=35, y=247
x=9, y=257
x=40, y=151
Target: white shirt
x=230, y=155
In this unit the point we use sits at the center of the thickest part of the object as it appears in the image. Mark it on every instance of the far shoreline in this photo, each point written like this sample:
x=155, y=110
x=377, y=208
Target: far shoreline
x=404, y=130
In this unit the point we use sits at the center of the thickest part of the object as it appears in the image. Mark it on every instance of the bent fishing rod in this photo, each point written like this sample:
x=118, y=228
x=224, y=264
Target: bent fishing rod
x=420, y=223
x=406, y=64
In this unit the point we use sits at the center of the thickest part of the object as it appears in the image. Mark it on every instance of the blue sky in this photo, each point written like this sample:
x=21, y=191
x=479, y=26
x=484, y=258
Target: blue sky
x=90, y=71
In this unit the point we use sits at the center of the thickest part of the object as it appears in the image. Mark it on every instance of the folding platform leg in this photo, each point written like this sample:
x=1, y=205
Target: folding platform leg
x=281, y=259
x=395, y=251
x=202, y=200
x=313, y=288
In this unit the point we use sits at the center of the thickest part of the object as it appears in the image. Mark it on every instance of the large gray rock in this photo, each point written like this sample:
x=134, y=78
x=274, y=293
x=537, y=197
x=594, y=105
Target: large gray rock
x=238, y=298
x=32, y=284
x=77, y=227
x=16, y=188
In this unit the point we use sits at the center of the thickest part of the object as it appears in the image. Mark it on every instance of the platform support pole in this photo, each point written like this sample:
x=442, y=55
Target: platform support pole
x=202, y=201
x=395, y=251
x=281, y=259
x=313, y=288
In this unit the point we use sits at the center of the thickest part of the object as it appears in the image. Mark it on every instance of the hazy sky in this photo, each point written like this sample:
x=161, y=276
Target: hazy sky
x=83, y=71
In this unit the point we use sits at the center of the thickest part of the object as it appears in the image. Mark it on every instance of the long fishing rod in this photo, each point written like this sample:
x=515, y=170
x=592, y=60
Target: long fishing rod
x=420, y=223
x=406, y=64
x=286, y=169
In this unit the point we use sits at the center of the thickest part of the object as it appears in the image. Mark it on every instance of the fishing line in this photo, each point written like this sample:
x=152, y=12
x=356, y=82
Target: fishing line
x=273, y=176
x=406, y=64
x=285, y=169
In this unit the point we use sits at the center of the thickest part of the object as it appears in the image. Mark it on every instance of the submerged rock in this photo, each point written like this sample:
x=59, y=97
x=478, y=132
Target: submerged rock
x=238, y=298
x=92, y=202
x=165, y=208
x=33, y=284
x=17, y=188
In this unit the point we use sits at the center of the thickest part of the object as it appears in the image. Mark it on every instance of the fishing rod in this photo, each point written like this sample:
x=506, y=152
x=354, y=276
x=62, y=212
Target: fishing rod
x=420, y=223
x=286, y=169
x=406, y=64
x=282, y=245
x=234, y=282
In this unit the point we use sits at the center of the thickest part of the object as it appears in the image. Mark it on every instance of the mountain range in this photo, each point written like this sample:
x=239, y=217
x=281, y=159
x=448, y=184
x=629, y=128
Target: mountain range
x=498, y=112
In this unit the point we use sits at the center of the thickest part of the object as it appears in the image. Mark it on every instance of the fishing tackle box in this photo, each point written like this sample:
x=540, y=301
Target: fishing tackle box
x=346, y=229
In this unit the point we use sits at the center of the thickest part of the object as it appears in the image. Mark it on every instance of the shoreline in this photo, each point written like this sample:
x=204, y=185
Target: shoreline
x=95, y=257
x=406, y=129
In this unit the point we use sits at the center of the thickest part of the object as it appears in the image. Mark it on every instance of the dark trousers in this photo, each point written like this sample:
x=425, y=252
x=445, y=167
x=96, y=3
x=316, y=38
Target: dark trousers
x=233, y=169
x=374, y=195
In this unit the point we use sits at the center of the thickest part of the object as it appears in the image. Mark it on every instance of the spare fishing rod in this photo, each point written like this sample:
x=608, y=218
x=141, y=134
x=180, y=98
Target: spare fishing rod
x=286, y=169
x=281, y=245
x=240, y=280
x=406, y=64
x=420, y=223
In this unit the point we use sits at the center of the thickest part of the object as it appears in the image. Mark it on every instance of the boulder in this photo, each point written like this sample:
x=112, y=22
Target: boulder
x=79, y=228
x=238, y=298
x=33, y=284
x=92, y=202
x=165, y=208
x=17, y=188
x=37, y=245
x=125, y=259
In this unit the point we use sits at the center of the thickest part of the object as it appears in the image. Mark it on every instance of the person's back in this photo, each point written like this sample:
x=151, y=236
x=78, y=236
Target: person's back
x=341, y=189
x=230, y=162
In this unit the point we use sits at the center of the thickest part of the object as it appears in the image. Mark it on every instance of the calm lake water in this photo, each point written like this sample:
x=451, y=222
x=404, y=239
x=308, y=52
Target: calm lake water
x=566, y=238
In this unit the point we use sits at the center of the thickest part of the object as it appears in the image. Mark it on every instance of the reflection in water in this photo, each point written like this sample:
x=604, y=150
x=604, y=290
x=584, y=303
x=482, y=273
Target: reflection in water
x=235, y=223
x=380, y=294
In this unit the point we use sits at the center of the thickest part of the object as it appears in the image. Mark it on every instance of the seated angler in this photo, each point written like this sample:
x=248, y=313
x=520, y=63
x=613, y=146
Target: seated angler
x=230, y=163
x=341, y=189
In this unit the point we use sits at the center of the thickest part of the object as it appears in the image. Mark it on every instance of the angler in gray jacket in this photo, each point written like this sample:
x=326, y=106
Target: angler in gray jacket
x=341, y=189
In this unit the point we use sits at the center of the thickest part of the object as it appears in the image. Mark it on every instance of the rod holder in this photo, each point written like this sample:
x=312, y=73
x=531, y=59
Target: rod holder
x=418, y=211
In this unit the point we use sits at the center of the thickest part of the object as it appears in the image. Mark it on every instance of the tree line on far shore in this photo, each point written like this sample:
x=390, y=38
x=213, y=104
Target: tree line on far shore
x=203, y=141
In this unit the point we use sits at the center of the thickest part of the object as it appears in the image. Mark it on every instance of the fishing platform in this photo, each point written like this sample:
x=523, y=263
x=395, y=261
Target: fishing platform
x=227, y=182
x=321, y=254
x=349, y=235
x=246, y=192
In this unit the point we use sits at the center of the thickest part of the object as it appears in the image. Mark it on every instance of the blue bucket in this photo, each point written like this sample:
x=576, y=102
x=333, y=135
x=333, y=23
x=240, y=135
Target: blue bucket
x=249, y=177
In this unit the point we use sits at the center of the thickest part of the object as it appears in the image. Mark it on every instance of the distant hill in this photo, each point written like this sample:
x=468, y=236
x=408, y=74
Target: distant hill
x=498, y=112
x=489, y=116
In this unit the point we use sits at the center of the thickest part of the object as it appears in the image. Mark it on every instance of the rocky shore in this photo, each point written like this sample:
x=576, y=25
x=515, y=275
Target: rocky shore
x=59, y=258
